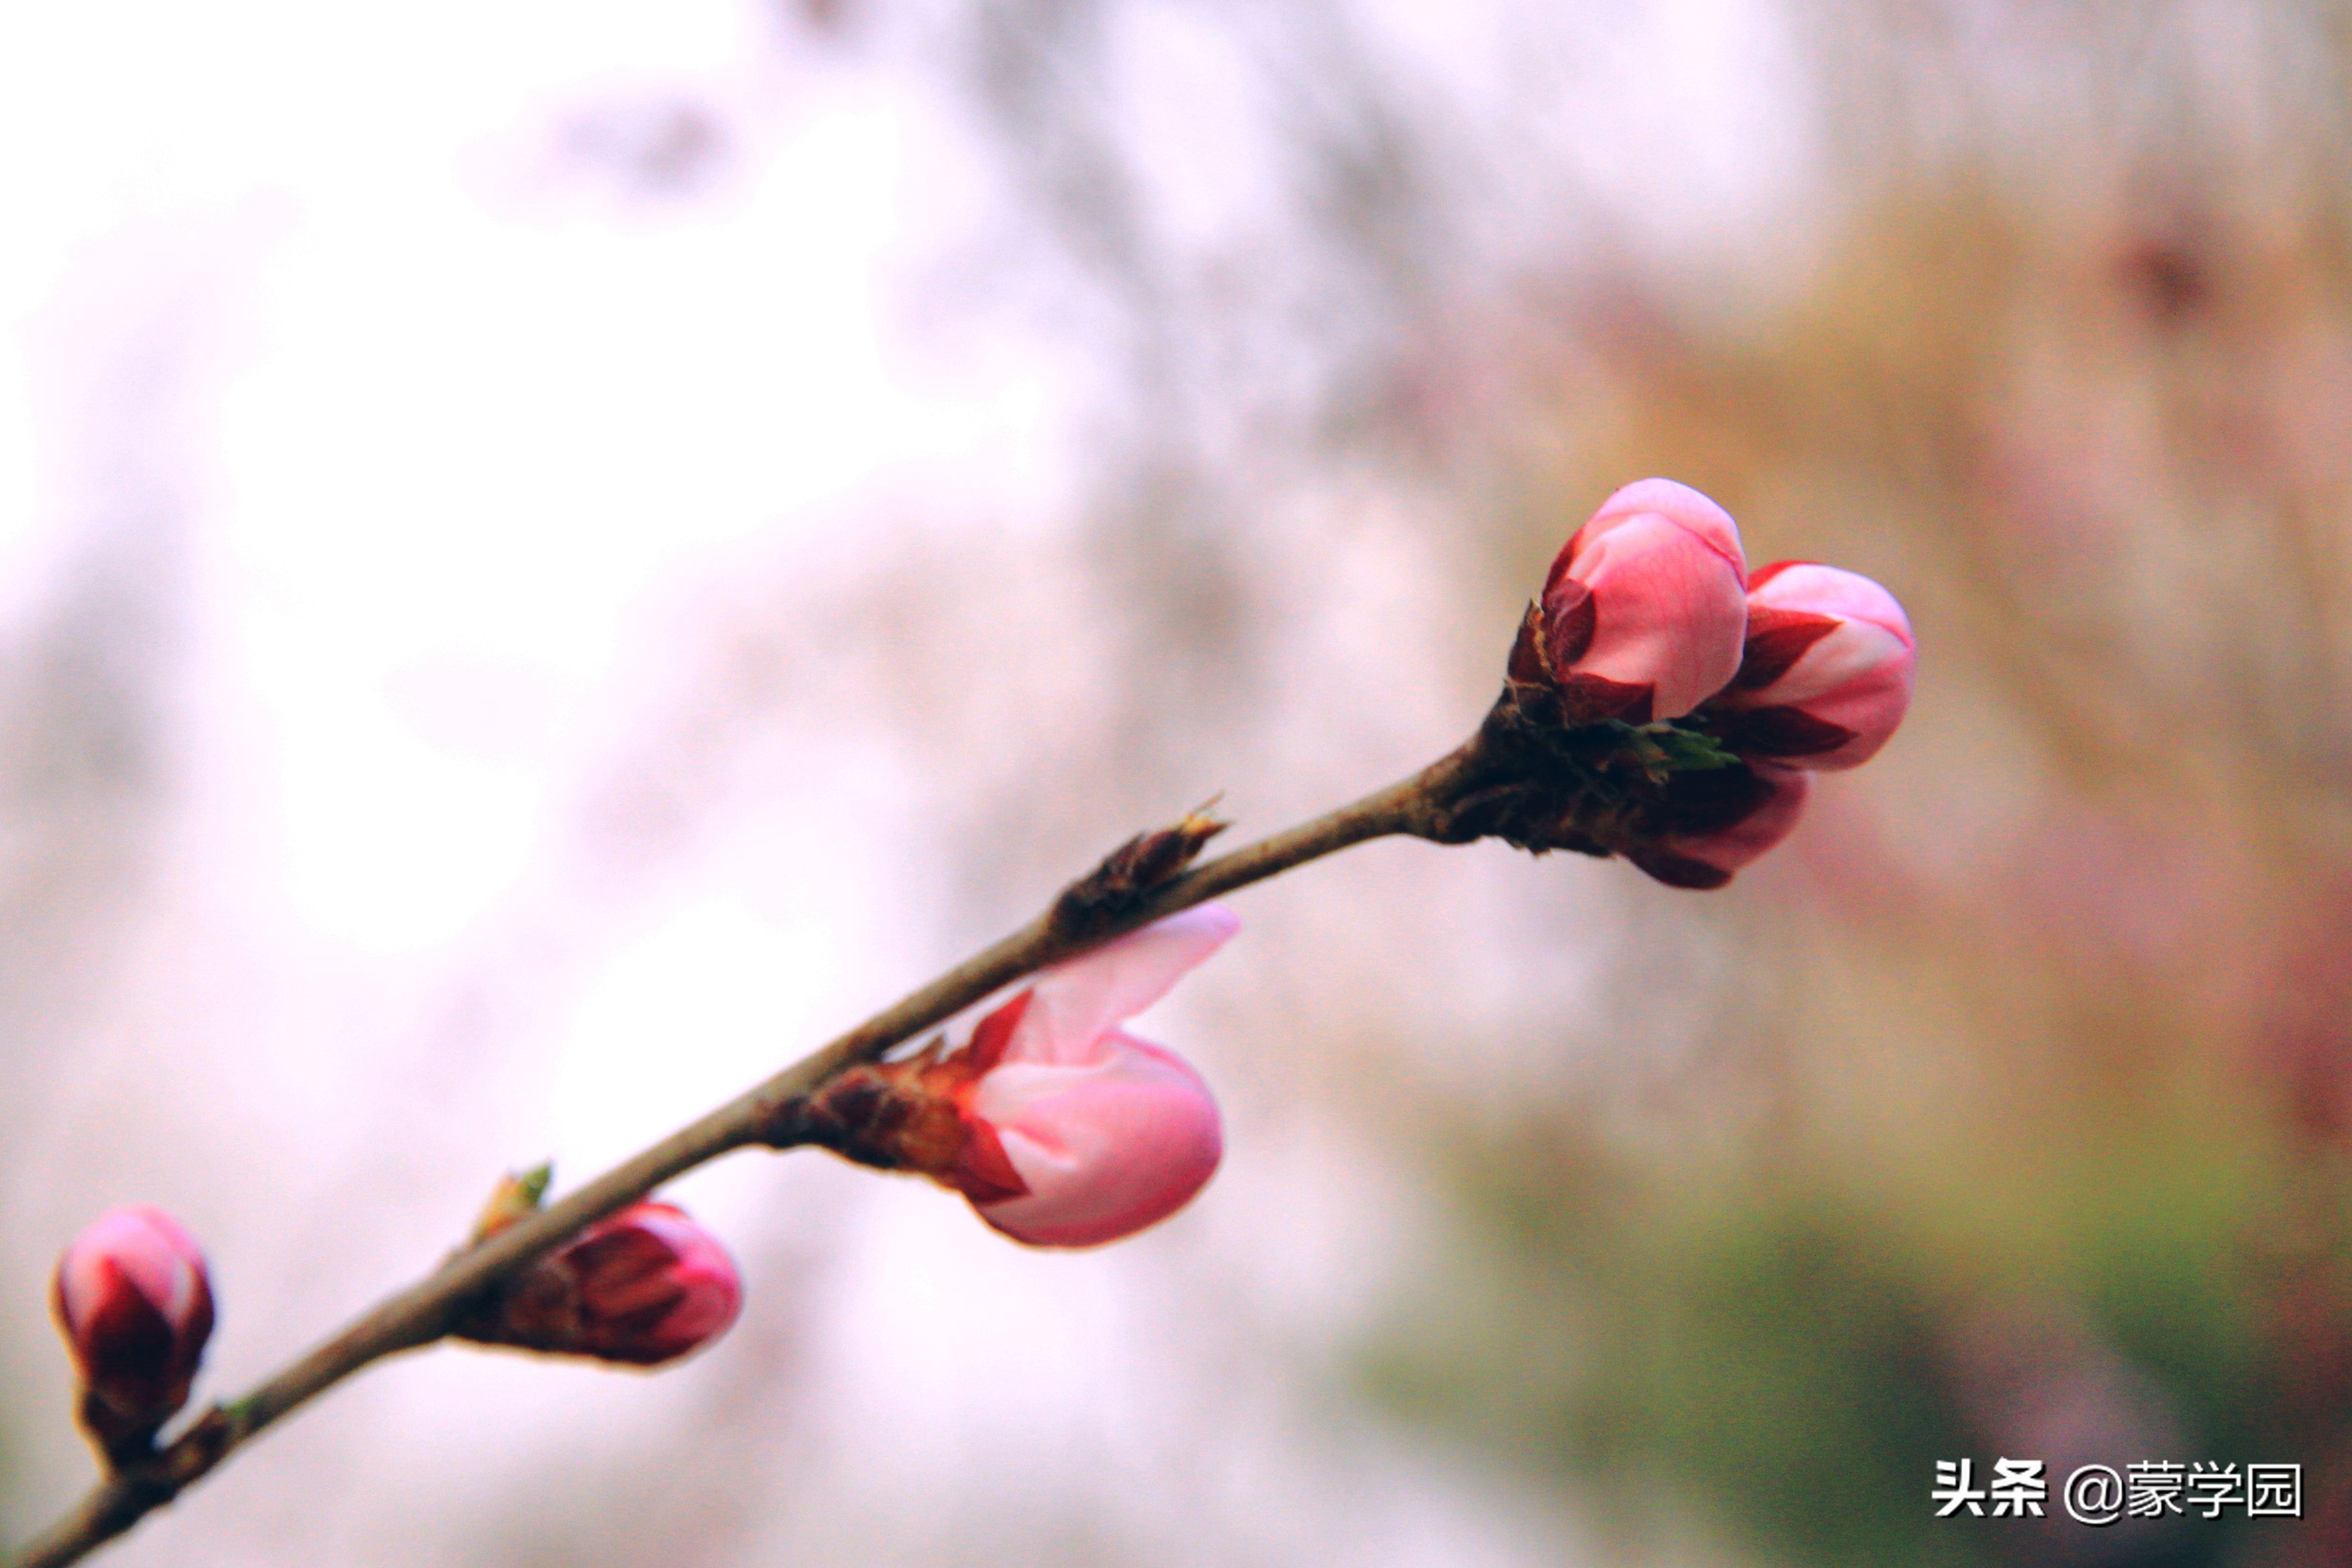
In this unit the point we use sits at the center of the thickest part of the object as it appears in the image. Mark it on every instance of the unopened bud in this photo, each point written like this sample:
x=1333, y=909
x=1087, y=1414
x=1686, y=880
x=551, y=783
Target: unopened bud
x=1744, y=812
x=1643, y=613
x=136, y=1307
x=643, y=1286
x=1826, y=675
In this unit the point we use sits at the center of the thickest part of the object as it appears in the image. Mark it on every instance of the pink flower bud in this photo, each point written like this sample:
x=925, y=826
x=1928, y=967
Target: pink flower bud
x=131, y=1297
x=1754, y=809
x=1078, y=1132
x=1827, y=673
x=643, y=1286
x=1644, y=612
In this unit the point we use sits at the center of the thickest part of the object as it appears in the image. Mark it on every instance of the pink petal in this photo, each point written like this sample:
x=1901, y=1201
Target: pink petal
x=1681, y=504
x=1763, y=828
x=1106, y=1148
x=1077, y=1001
x=155, y=1254
x=1708, y=860
x=1822, y=590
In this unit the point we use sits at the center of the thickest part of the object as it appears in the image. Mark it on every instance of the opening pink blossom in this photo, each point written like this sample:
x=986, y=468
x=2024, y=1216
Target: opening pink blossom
x=1078, y=1132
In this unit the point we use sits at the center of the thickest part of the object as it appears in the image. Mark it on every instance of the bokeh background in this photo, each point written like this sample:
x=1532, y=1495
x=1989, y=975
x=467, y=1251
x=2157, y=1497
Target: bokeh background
x=554, y=555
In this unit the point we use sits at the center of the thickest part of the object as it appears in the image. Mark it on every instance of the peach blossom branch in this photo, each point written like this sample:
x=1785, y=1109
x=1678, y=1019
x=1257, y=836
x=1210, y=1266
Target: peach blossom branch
x=1143, y=881
x=1658, y=703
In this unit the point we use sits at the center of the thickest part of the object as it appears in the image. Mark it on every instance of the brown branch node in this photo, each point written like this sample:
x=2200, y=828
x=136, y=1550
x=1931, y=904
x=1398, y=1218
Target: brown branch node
x=1132, y=873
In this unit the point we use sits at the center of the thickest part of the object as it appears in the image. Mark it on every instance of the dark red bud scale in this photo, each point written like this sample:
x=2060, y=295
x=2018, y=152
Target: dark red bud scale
x=1776, y=641
x=1569, y=614
x=1780, y=732
x=914, y=1115
x=125, y=1341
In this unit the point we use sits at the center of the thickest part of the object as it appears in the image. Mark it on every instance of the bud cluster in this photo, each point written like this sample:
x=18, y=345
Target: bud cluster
x=1660, y=702
x=1663, y=704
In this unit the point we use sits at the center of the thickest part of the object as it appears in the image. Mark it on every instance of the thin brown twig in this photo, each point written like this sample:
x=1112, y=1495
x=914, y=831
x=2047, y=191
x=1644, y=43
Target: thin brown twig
x=425, y=1311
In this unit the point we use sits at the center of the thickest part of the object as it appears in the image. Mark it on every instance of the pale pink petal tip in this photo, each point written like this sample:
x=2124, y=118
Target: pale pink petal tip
x=150, y=1248
x=1691, y=508
x=1076, y=1000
